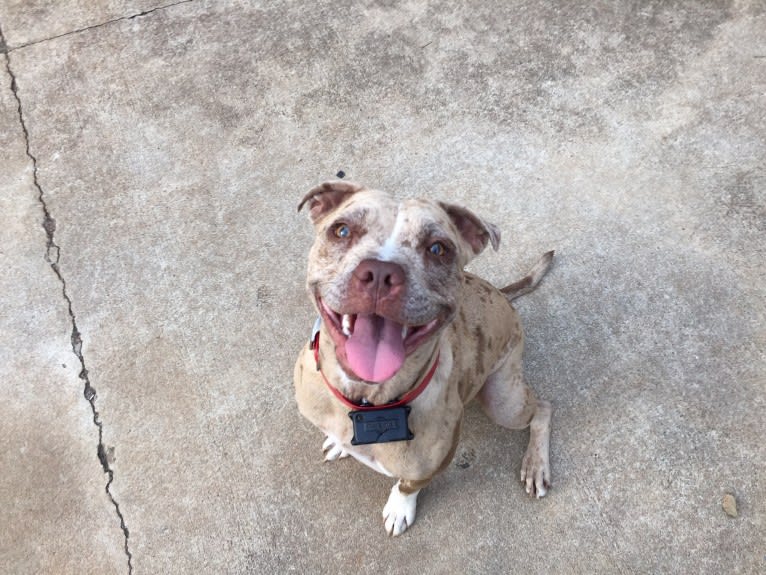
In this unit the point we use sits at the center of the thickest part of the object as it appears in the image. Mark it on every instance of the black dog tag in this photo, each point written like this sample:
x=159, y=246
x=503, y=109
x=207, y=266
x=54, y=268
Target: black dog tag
x=381, y=425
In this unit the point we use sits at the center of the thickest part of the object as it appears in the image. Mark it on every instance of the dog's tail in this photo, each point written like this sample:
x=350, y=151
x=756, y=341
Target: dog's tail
x=530, y=281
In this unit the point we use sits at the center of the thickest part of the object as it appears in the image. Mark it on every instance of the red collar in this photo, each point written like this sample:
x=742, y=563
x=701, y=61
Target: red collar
x=407, y=398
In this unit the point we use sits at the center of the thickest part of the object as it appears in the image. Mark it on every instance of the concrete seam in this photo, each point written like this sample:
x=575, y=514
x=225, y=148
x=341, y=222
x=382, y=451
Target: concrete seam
x=9, y=49
x=52, y=256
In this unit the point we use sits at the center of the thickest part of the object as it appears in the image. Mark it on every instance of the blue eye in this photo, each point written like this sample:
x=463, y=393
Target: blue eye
x=342, y=231
x=437, y=249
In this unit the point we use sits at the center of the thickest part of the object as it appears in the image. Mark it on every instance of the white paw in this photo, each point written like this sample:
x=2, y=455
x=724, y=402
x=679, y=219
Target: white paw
x=333, y=450
x=535, y=473
x=399, y=511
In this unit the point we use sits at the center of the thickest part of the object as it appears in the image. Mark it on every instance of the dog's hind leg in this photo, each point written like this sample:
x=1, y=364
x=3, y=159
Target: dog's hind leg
x=509, y=402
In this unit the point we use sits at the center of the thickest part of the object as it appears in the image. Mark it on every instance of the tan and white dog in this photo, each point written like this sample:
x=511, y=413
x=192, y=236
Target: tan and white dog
x=402, y=322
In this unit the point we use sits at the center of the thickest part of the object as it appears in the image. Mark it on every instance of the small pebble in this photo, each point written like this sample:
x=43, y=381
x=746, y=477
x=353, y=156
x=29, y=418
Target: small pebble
x=341, y=174
x=729, y=505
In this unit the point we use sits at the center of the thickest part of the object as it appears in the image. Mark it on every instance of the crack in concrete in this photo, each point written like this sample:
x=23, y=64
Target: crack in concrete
x=8, y=49
x=52, y=256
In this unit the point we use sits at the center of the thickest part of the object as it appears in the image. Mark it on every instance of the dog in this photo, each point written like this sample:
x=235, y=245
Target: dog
x=405, y=338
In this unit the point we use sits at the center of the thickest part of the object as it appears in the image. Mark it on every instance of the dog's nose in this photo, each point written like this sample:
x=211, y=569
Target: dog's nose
x=379, y=278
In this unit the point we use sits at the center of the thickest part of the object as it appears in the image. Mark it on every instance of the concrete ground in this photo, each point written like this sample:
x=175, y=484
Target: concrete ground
x=152, y=290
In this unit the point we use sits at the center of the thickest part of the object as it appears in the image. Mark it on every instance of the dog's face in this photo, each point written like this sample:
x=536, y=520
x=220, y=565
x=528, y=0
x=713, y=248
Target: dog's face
x=385, y=275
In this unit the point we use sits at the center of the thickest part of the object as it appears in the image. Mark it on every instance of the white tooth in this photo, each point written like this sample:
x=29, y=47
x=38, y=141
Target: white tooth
x=346, y=321
x=404, y=332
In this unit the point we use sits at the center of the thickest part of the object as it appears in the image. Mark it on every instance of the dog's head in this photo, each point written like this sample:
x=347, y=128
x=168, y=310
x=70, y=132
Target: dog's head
x=385, y=275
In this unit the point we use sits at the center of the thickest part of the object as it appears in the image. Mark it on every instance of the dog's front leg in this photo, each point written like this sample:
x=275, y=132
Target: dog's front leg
x=399, y=512
x=333, y=449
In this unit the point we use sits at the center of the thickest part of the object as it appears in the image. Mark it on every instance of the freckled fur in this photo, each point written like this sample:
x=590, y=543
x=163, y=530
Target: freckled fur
x=480, y=346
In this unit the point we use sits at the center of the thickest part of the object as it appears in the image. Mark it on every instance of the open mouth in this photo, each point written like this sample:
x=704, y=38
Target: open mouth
x=374, y=347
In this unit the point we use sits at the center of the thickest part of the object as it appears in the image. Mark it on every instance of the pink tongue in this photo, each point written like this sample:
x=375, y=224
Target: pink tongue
x=375, y=351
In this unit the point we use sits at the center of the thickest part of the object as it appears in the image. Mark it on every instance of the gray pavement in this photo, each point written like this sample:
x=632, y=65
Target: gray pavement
x=153, y=155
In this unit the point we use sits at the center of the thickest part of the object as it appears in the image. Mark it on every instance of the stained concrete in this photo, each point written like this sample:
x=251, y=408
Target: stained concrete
x=172, y=148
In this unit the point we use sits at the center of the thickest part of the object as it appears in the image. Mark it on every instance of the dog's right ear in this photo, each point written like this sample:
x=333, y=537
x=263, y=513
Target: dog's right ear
x=325, y=197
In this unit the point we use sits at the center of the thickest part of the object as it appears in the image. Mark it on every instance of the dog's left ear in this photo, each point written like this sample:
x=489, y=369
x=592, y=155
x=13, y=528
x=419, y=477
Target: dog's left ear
x=324, y=198
x=474, y=230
